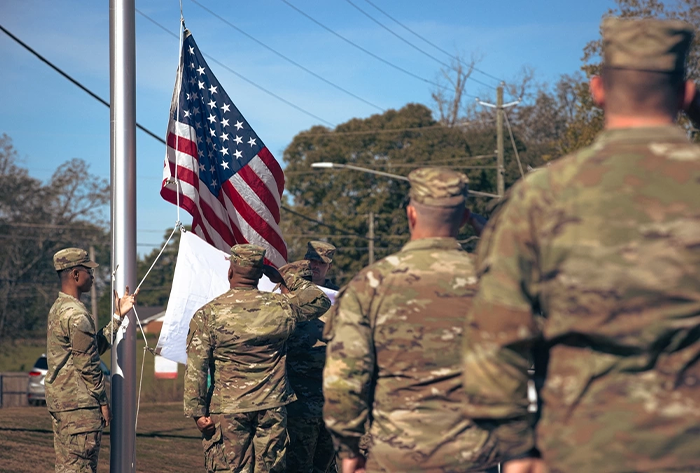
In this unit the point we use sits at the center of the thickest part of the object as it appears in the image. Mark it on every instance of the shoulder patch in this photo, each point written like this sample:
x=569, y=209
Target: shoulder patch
x=82, y=322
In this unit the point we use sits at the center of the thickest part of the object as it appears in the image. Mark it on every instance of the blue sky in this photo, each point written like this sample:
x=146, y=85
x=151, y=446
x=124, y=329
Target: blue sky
x=51, y=121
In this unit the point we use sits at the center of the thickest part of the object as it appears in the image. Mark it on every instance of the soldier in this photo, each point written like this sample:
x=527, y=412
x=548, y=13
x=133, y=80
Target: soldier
x=592, y=267
x=394, y=345
x=241, y=337
x=310, y=445
x=320, y=254
x=75, y=384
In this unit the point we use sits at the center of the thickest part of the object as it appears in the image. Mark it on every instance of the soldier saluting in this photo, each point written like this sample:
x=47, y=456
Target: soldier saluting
x=241, y=339
x=75, y=385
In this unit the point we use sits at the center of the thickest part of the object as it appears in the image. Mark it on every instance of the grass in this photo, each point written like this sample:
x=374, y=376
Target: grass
x=165, y=441
x=20, y=356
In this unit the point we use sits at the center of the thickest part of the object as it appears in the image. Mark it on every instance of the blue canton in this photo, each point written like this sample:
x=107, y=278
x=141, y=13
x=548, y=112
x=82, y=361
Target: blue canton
x=225, y=140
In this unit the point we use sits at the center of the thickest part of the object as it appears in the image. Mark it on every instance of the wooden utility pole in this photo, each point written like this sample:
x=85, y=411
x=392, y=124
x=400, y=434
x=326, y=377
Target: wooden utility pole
x=500, y=113
x=500, y=170
x=371, y=237
x=93, y=290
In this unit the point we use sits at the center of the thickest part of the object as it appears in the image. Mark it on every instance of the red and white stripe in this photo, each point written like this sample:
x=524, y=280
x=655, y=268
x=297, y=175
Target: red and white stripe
x=247, y=209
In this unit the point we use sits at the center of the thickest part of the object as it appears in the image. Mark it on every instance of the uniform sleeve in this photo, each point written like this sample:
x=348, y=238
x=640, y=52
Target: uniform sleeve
x=86, y=357
x=199, y=350
x=349, y=370
x=104, y=336
x=501, y=329
x=307, y=301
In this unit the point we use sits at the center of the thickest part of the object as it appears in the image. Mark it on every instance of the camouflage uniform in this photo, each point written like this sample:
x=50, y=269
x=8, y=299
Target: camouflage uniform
x=394, y=341
x=310, y=445
x=321, y=251
x=592, y=266
x=75, y=384
x=241, y=337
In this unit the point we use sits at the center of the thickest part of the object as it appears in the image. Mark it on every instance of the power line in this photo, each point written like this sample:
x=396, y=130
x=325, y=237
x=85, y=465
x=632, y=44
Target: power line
x=413, y=45
x=296, y=107
x=370, y=53
x=429, y=42
x=291, y=61
x=155, y=136
x=75, y=82
x=318, y=222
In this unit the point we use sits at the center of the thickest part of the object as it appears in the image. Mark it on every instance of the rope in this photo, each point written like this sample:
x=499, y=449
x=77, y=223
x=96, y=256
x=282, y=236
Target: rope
x=178, y=225
x=177, y=136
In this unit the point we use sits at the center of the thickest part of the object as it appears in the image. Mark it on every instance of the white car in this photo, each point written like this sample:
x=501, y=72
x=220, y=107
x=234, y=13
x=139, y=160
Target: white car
x=36, y=390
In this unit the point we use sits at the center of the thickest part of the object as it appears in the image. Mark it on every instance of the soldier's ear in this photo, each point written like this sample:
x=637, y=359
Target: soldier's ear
x=688, y=95
x=411, y=215
x=465, y=217
x=597, y=91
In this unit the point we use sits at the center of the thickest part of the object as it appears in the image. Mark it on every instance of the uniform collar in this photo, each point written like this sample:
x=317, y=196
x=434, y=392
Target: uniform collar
x=63, y=294
x=643, y=135
x=441, y=243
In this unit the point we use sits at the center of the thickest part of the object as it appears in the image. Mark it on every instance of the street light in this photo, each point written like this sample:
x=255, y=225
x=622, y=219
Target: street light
x=328, y=165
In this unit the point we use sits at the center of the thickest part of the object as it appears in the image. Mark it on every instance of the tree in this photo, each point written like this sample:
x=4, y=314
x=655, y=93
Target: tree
x=588, y=119
x=448, y=97
x=343, y=199
x=36, y=220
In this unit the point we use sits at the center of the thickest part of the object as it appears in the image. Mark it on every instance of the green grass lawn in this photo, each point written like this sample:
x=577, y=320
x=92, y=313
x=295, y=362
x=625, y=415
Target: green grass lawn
x=165, y=441
x=20, y=355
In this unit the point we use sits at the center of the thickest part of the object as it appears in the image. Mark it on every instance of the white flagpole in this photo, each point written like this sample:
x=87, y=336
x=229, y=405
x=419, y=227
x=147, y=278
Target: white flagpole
x=122, y=52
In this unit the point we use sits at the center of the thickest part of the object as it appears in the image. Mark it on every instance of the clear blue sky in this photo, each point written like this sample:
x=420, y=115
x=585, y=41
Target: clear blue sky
x=51, y=121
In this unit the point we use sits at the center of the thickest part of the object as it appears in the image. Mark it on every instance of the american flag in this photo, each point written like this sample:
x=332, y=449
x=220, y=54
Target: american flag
x=228, y=180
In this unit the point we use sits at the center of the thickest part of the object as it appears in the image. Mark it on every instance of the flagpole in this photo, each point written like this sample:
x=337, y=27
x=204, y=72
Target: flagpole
x=122, y=52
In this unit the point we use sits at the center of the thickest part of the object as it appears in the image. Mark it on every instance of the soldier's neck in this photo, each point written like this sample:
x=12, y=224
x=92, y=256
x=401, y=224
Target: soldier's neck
x=239, y=281
x=420, y=233
x=616, y=122
x=70, y=290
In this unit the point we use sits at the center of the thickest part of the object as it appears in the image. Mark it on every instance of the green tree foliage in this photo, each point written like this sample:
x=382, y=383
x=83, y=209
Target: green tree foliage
x=344, y=198
x=155, y=290
x=587, y=122
x=36, y=220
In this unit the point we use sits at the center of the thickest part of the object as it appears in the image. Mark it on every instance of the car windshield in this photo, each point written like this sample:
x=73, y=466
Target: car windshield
x=41, y=364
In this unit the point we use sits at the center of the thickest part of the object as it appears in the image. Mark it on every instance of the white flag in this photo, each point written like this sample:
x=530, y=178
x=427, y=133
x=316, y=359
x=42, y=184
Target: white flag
x=200, y=276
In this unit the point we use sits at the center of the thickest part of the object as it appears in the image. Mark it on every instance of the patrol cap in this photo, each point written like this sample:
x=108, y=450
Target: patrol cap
x=646, y=44
x=247, y=255
x=320, y=251
x=438, y=187
x=70, y=257
x=301, y=268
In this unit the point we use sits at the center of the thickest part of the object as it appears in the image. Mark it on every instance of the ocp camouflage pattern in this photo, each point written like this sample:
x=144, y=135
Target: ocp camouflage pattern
x=77, y=438
x=393, y=357
x=592, y=267
x=74, y=379
x=242, y=336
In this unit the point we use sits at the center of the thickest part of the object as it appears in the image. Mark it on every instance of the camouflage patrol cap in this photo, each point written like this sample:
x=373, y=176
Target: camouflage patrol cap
x=70, y=257
x=320, y=251
x=646, y=44
x=247, y=255
x=301, y=268
x=438, y=187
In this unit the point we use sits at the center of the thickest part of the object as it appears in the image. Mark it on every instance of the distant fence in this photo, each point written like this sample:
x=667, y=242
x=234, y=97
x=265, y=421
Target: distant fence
x=13, y=389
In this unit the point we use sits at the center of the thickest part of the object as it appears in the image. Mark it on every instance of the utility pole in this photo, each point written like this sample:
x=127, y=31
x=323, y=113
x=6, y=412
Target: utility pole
x=500, y=170
x=93, y=290
x=371, y=238
x=500, y=110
